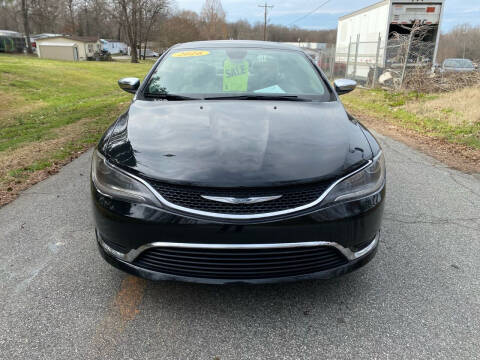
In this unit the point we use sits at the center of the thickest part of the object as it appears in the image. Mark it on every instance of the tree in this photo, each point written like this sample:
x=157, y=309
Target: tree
x=129, y=10
x=8, y=15
x=26, y=24
x=240, y=29
x=139, y=17
x=213, y=20
x=179, y=28
x=461, y=39
x=42, y=13
x=138, y=22
x=70, y=9
x=151, y=11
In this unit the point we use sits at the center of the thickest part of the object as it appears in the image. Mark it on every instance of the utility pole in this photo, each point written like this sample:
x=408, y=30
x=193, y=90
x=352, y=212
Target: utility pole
x=265, y=7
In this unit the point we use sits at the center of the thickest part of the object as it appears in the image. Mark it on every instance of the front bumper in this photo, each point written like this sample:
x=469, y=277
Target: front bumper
x=358, y=259
x=125, y=231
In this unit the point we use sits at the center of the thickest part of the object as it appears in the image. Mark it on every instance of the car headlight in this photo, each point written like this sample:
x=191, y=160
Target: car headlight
x=365, y=182
x=116, y=184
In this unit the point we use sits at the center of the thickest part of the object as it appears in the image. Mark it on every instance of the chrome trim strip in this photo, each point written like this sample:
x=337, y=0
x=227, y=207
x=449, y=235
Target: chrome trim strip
x=235, y=200
x=132, y=254
x=230, y=216
x=101, y=192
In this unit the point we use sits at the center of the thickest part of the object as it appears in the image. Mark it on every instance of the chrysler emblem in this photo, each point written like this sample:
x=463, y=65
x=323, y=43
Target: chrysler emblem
x=237, y=201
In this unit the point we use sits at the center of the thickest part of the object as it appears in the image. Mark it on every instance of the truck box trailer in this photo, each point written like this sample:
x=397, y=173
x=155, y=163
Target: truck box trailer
x=370, y=35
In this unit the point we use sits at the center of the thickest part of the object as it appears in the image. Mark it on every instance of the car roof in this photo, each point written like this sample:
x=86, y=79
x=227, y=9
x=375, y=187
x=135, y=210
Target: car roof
x=235, y=43
x=458, y=59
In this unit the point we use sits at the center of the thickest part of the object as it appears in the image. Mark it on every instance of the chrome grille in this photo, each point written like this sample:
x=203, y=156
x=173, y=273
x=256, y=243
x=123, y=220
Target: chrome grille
x=191, y=197
x=240, y=263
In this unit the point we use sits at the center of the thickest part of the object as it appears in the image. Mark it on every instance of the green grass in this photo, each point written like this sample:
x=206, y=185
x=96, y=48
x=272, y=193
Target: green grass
x=392, y=107
x=41, y=98
x=51, y=110
x=68, y=92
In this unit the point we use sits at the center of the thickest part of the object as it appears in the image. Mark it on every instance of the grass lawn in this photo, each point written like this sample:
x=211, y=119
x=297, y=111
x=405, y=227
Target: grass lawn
x=51, y=110
x=454, y=117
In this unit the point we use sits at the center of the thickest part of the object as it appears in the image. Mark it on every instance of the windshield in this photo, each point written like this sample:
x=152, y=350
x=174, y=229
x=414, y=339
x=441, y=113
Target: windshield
x=459, y=63
x=237, y=71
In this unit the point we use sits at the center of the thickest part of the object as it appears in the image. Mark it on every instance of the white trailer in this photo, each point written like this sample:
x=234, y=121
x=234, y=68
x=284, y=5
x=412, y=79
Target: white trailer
x=363, y=36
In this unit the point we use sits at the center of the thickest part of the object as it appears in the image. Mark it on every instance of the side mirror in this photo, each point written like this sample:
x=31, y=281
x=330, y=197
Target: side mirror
x=344, y=86
x=129, y=85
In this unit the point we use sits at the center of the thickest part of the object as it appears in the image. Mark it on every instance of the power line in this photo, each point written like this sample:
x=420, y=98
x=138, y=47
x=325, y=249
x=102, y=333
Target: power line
x=310, y=13
x=266, y=7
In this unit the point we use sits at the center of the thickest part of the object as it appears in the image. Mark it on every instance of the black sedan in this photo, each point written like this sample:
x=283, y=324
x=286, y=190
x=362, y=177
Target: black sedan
x=237, y=162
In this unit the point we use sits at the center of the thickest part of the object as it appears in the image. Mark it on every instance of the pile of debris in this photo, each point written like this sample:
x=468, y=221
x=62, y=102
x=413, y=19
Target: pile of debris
x=424, y=81
x=409, y=65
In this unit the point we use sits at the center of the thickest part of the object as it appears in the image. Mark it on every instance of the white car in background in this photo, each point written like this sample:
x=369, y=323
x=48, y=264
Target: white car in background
x=150, y=53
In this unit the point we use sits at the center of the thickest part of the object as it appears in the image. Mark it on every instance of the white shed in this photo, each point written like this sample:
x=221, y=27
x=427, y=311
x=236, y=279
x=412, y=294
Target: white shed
x=56, y=51
x=86, y=46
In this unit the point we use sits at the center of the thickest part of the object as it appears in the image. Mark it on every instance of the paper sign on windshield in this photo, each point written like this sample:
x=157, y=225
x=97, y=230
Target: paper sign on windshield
x=235, y=76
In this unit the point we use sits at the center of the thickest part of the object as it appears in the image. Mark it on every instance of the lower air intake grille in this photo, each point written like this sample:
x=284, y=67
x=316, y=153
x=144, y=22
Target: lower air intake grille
x=191, y=197
x=240, y=263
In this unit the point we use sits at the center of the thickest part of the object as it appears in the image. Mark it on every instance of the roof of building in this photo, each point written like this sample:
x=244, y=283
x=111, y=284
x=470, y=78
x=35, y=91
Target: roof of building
x=111, y=40
x=10, y=33
x=86, y=39
x=69, y=44
x=235, y=43
x=365, y=9
x=44, y=35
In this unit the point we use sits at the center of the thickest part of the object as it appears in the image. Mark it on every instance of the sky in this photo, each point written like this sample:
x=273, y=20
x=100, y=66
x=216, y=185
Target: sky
x=285, y=12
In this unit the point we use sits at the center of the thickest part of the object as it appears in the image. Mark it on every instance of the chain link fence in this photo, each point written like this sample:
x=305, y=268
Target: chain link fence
x=380, y=62
x=360, y=61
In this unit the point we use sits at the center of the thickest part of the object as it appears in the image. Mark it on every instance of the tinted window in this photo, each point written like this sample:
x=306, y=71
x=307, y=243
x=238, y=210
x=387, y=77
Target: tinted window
x=212, y=72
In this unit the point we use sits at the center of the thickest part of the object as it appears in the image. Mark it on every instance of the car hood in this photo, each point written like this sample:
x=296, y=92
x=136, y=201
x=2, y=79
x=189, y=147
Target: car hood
x=231, y=143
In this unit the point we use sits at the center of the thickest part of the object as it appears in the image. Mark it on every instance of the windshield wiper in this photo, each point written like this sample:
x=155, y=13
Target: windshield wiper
x=171, y=97
x=259, y=97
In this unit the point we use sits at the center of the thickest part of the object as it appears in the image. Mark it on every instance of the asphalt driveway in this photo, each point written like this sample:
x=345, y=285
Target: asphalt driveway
x=419, y=298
